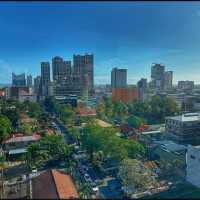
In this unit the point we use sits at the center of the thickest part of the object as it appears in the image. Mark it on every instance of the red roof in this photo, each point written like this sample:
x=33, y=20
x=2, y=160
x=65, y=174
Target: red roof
x=53, y=184
x=21, y=138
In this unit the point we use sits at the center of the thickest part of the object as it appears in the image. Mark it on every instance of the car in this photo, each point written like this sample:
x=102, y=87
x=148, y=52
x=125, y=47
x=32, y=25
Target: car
x=34, y=170
x=87, y=178
x=95, y=189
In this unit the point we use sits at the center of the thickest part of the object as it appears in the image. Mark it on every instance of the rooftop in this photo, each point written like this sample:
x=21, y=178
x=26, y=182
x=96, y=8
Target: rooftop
x=53, y=184
x=171, y=146
x=19, y=138
x=186, y=117
x=102, y=123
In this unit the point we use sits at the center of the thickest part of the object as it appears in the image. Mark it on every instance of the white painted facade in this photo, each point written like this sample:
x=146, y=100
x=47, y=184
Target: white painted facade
x=193, y=165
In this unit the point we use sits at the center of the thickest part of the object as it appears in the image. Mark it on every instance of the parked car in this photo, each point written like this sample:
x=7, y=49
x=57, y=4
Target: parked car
x=87, y=178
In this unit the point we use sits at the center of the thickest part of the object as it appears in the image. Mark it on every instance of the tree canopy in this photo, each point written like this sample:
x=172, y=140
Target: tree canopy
x=5, y=128
x=48, y=150
x=135, y=177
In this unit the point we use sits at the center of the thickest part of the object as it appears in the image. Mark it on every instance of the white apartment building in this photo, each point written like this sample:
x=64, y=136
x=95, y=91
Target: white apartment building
x=193, y=165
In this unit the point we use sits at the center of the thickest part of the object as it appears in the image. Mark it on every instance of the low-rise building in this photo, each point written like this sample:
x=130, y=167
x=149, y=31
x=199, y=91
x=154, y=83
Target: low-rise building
x=20, y=93
x=17, y=144
x=193, y=165
x=53, y=184
x=50, y=184
x=184, y=128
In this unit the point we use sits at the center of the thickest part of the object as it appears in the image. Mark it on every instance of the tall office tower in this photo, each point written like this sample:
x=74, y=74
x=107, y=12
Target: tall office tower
x=18, y=80
x=45, y=77
x=142, y=89
x=37, y=80
x=29, y=80
x=157, y=76
x=118, y=78
x=83, y=67
x=168, y=80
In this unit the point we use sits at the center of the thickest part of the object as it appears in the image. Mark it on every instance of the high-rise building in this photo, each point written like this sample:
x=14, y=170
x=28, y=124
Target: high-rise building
x=29, y=80
x=157, y=76
x=37, y=81
x=118, y=78
x=168, y=80
x=142, y=89
x=45, y=78
x=45, y=73
x=18, y=80
x=61, y=69
x=83, y=68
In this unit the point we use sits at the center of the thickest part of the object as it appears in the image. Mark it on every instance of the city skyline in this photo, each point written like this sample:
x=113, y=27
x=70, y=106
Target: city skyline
x=130, y=35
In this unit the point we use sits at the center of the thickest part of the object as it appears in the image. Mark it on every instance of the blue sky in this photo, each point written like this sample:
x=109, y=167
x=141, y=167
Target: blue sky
x=130, y=35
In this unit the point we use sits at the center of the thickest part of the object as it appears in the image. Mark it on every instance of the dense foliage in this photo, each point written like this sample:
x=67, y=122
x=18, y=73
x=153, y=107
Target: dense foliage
x=105, y=140
x=5, y=128
x=153, y=111
x=135, y=176
x=47, y=151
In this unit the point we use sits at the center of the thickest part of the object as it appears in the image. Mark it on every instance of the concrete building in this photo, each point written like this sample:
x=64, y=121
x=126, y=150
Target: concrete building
x=29, y=80
x=83, y=67
x=119, y=78
x=157, y=76
x=61, y=69
x=18, y=80
x=186, y=85
x=18, y=143
x=45, y=78
x=142, y=89
x=37, y=81
x=193, y=165
x=168, y=76
x=127, y=94
x=184, y=128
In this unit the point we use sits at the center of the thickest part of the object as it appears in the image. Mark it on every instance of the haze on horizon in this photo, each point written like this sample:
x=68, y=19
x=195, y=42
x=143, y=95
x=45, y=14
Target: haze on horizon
x=130, y=35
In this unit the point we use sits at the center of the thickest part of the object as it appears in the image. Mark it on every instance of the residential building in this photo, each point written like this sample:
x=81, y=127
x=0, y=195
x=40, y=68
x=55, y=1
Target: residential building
x=83, y=67
x=127, y=94
x=168, y=80
x=53, y=184
x=119, y=78
x=193, y=165
x=17, y=144
x=18, y=80
x=29, y=95
x=184, y=128
x=157, y=76
x=20, y=93
x=142, y=89
x=61, y=69
x=49, y=184
x=29, y=80
x=37, y=81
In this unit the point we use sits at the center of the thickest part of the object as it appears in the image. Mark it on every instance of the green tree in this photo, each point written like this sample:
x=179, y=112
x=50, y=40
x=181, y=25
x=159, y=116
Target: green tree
x=47, y=151
x=136, y=122
x=5, y=128
x=26, y=129
x=75, y=134
x=135, y=176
